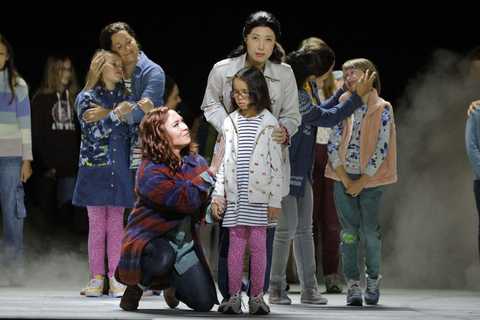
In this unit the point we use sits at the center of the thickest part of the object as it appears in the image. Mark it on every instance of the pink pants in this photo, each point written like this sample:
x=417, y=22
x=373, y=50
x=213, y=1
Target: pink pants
x=257, y=239
x=104, y=221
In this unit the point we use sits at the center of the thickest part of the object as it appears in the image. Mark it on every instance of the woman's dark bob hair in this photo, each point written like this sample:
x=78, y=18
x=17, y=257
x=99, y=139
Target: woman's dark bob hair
x=260, y=19
x=257, y=88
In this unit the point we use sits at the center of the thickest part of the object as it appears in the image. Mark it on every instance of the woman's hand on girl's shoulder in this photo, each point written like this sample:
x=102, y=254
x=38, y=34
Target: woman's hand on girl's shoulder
x=218, y=157
x=473, y=107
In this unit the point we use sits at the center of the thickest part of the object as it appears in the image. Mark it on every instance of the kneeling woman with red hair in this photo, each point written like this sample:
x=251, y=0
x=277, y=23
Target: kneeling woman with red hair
x=161, y=247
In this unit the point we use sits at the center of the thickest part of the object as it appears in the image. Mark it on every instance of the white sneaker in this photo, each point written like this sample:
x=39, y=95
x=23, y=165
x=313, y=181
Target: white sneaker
x=333, y=283
x=116, y=289
x=312, y=296
x=95, y=287
x=256, y=305
x=234, y=304
x=279, y=297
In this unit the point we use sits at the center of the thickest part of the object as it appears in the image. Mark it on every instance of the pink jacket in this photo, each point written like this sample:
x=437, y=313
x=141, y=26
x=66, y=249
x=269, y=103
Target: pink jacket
x=387, y=173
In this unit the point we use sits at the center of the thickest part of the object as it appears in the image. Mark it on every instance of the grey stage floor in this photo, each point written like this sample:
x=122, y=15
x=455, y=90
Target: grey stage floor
x=394, y=304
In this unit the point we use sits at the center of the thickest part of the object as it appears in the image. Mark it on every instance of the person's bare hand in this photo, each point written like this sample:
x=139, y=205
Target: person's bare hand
x=365, y=84
x=125, y=107
x=96, y=68
x=279, y=135
x=25, y=170
x=218, y=157
x=473, y=107
x=96, y=113
x=221, y=203
x=50, y=174
x=216, y=212
x=357, y=185
x=273, y=213
x=145, y=104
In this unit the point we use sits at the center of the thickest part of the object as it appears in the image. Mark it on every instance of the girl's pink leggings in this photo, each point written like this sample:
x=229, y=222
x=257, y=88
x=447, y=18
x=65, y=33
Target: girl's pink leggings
x=256, y=237
x=104, y=221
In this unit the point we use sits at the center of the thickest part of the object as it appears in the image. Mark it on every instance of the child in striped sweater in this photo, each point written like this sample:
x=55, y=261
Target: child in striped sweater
x=15, y=158
x=251, y=178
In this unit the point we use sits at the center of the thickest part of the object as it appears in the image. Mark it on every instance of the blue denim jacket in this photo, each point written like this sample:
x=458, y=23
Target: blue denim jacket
x=303, y=143
x=148, y=80
x=95, y=141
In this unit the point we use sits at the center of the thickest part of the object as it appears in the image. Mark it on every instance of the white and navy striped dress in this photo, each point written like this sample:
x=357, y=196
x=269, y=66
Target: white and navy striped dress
x=246, y=214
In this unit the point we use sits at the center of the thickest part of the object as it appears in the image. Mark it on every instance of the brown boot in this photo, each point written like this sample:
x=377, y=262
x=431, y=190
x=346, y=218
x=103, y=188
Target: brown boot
x=169, y=295
x=131, y=297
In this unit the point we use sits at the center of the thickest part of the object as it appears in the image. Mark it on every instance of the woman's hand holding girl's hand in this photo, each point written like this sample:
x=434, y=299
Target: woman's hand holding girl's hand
x=218, y=157
x=95, y=114
x=365, y=84
x=357, y=185
x=217, y=208
x=145, y=104
x=273, y=213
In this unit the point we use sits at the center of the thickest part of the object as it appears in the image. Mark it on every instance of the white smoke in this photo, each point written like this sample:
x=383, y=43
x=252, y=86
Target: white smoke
x=429, y=218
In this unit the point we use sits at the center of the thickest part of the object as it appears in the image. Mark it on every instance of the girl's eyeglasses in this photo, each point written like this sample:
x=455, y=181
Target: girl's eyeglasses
x=348, y=74
x=244, y=95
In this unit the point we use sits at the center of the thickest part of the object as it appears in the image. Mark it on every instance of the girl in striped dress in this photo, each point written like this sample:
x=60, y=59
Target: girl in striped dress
x=251, y=180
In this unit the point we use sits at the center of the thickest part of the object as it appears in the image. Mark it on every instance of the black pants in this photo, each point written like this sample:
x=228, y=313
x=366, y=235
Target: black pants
x=194, y=287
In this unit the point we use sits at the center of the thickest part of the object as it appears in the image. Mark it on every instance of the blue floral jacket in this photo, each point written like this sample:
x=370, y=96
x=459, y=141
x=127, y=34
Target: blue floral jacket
x=95, y=141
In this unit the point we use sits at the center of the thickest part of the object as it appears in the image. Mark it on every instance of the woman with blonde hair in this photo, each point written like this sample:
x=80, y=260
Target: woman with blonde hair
x=56, y=140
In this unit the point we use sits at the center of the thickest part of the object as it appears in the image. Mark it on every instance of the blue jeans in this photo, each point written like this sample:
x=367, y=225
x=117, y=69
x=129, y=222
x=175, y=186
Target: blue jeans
x=13, y=211
x=194, y=287
x=360, y=220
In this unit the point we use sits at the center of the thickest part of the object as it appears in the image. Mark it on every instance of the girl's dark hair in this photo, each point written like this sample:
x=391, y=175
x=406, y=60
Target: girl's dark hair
x=107, y=33
x=13, y=75
x=155, y=142
x=169, y=85
x=260, y=19
x=310, y=60
x=257, y=88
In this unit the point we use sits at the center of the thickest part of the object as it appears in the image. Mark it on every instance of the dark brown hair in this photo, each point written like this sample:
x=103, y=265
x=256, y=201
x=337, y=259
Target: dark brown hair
x=155, y=142
x=257, y=88
x=107, y=33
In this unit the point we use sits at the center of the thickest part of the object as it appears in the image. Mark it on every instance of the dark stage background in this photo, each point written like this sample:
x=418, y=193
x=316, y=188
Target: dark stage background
x=429, y=220
x=187, y=38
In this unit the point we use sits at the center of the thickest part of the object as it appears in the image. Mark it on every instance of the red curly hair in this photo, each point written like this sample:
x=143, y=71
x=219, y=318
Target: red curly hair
x=155, y=142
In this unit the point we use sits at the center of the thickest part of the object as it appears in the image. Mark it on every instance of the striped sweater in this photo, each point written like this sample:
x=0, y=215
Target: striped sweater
x=15, y=125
